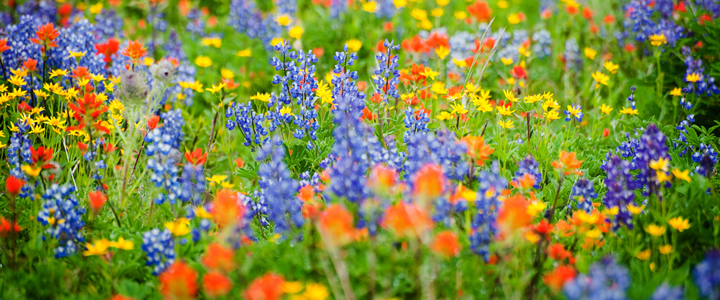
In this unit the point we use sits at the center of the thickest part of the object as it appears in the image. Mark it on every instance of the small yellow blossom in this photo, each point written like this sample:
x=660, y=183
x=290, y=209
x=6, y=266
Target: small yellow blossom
x=605, y=109
x=694, y=77
x=460, y=63
x=628, y=111
x=17, y=80
x=122, y=244
x=635, y=209
x=291, y=287
x=443, y=115
x=216, y=88
x=96, y=9
x=296, y=32
x=442, y=52
x=590, y=53
x=643, y=255
x=58, y=72
x=283, y=20
x=506, y=61
x=354, y=45
x=666, y=249
x=400, y=3
x=244, y=53
x=216, y=179
x=655, y=230
x=679, y=223
x=179, y=227
x=458, y=108
x=658, y=40
x=100, y=248
x=32, y=172
x=262, y=97
x=660, y=164
x=600, y=78
x=287, y=110
x=506, y=124
x=369, y=6
x=203, y=61
x=438, y=12
x=684, y=175
x=212, y=41
x=227, y=74
x=501, y=110
x=611, y=67
x=460, y=15
x=677, y=92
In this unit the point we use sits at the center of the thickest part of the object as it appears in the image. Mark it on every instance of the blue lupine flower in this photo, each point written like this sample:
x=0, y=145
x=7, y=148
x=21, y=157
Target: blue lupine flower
x=108, y=25
x=651, y=147
x=706, y=84
x=163, y=143
x=385, y=9
x=620, y=190
x=542, y=43
x=193, y=183
x=387, y=75
x=195, y=23
x=337, y=7
x=584, y=193
x=246, y=18
x=572, y=56
x=284, y=209
x=640, y=15
x=159, y=248
x=416, y=121
x=63, y=212
x=530, y=166
x=667, y=292
x=487, y=207
x=707, y=275
x=606, y=280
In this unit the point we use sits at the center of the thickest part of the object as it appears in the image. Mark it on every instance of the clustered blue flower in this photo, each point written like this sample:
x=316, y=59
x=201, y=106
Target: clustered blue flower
x=530, y=166
x=667, y=292
x=583, y=192
x=487, y=206
x=387, y=75
x=707, y=275
x=283, y=208
x=651, y=147
x=706, y=84
x=63, y=212
x=163, y=143
x=159, y=248
x=606, y=280
x=416, y=121
x=620, y=190
x=441, y=148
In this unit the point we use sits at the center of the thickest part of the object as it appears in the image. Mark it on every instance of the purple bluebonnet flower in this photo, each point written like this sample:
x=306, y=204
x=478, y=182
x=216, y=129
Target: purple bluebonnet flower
x=249, y=122
x=707, y=160
x=18, y=38
x=286, y=7
x=385, y=9
x=284, y=209
x=707, y=275
x=159, y=248
x=442, y=149
x=387, y=75
x=572, y=55
x=337, y=7
x=195, y=24
x=487, y=207
x=584, y=193
x=163, y=143
x=246, y=18
x=667, y=292
x=193, y=183
x=606, y=280
x=63, y=212
x=640, y=15
x=344, y=83
x=706, y=84
x=651, y=147
x=530, y=166
x=18, y=152
x=620, y=190
x=108, y=25
x=416, y=121
x=542, y=43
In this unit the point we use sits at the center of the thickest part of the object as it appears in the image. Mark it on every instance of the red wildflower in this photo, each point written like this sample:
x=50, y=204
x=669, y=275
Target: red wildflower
x=519, y=72
x=556, y=280
x=46, y=35
x=41, y=154
x=609, y=19
x=88, y=107
x=428, y=183
x=557, y=252
x=134, y=51
x=376, y=98
x=216, y=285
x=587, y=13
x=218, y=258
x=268, y=287
x=24, y=107
x=97, y=200
x=196, y=158
x=80, y=72
x=152, y=122
x=227, y=210
x=230, y=83
x=368, y=115
x=477, y=149
x=415, y=45
x=178, y=282
x=568, y=163
x=388, y=26
x=239, y=162
x=524, y=182
x=679, y=7
x=513, y=215
x=108, y=49
x=436, y=40
x=481, y=11
x=543, y=228
x=3, y=46
x=382, y=178
x=30, y=64
x=407, y=220
x=446, y=244
x=121, y=297
x=6, y=227
x=381, y=47
x=13, y=185
x=705, y=18
x=336, y=226
x=606, y=133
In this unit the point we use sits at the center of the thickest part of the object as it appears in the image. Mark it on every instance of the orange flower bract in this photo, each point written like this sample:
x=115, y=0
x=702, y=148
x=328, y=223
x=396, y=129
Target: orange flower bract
x=336, y=226
x=407, y=220
x=513, y=215
x=216, y=285
x=134, y=51
x=179, y=281
x=428, y=183
x=568, y=163
x=446, y=244
x=477, y=149
x=558, y=277
x=218, y=257
x=268, y=287
x=227, y=209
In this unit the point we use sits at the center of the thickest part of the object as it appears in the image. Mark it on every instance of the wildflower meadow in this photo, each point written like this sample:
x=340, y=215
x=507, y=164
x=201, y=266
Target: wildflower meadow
x=359, y=149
